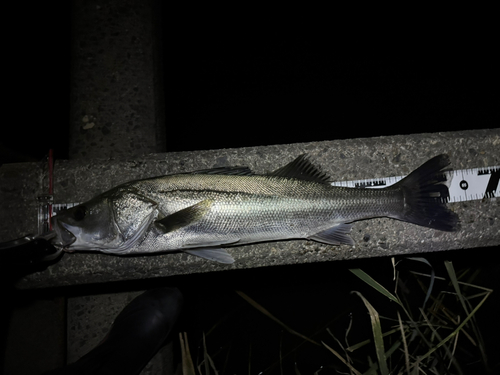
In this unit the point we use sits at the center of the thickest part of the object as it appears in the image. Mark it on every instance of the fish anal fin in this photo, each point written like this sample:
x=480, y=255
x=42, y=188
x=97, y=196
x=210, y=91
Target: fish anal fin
x=186, y=216
x=214, y=254
x=336, y=235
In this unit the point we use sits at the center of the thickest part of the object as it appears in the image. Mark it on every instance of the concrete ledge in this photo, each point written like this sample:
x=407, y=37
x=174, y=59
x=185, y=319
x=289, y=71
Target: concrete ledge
x=79, y=180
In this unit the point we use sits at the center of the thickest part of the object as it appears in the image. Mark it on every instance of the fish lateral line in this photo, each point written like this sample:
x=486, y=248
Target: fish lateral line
x=301, y=201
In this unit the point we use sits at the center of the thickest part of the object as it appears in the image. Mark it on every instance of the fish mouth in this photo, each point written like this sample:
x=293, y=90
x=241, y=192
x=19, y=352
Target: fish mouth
x=64, y=237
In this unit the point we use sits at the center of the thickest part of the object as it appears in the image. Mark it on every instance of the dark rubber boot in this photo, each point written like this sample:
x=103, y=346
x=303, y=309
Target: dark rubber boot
x=137, y=333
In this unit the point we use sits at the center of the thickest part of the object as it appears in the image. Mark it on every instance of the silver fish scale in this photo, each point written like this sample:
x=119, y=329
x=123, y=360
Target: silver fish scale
x=256, y=208
x=200, y=213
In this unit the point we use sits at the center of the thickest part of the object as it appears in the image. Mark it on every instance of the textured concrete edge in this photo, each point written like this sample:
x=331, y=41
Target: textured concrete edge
x=341, y=159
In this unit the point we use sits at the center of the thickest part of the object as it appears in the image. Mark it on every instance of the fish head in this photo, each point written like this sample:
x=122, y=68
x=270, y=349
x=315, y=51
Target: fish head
x=112, y=222
x=87, y=226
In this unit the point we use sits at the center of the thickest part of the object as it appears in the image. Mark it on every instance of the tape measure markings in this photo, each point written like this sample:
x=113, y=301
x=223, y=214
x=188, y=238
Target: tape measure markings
x=463, y=184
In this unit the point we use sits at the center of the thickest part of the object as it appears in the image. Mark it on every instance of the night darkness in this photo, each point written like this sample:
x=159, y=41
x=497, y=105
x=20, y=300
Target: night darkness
x=239, y=83
x=234, y=84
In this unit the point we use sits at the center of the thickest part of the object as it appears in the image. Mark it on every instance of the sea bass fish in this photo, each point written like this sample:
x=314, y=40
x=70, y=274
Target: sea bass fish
x=203, y=212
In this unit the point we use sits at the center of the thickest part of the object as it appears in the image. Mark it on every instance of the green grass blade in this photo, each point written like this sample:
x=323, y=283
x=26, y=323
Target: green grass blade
x=356, y=372
x=448, y=350
x=454, y=282
x=377, y=335
x=271, y=316
x=475, y=329
x=365, y=342
x=405, y=345
x=374, y=284
x=373, y=370
x=455, y=332
x=207, y=359
x=433, y=276
x=187, y=362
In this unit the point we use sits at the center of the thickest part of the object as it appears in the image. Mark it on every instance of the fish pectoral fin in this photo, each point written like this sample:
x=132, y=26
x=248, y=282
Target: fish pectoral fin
x=217, y=255
x=186, y=216
x=339, y=234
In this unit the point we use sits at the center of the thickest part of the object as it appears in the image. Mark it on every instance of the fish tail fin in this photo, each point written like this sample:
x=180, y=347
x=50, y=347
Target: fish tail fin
x=425, y=193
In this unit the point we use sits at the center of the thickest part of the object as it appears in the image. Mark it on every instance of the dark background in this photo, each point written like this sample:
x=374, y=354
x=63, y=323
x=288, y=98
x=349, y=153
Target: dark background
x=238, y=83
x=233, y=82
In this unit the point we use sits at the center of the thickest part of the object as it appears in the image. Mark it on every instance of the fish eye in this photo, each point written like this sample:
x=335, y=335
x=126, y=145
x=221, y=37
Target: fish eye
x=80, y=213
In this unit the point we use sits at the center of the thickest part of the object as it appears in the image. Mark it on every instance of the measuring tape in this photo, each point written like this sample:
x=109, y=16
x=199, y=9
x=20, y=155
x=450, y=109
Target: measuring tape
x=463, y=185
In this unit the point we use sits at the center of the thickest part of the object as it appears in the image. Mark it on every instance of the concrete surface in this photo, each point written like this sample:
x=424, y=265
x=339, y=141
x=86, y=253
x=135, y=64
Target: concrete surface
x=116, y=79
x=79, y=180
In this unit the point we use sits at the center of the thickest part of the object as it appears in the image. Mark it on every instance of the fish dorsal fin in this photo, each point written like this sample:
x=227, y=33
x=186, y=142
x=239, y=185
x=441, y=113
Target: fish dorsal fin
x=302, y=169
x=230, y=171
